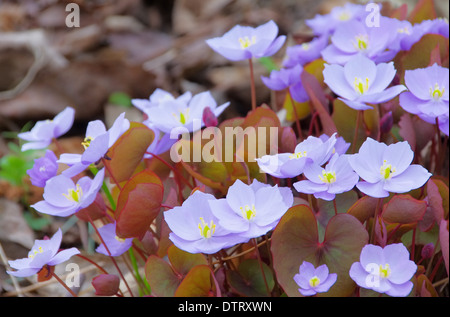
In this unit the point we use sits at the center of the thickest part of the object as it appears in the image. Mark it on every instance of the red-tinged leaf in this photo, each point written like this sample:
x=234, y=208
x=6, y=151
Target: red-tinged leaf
x=94, y=211
x=435, y=57
x=288, y=140
x=444, y=192
x=380, y=232
x=106, y=284
x=407, y=131
x=435, y=209
x=45, y=273
x=182, y=261
x=319, y=101
x=249, y=281
x=424, y=10
x=401, y=13
x=364, y=208
x=138, y=204
x=443, y=239
x=425, y=287
x=128, y=151
x=161, y=277
x=209, y=118
x=296, y=239
x=199, y=282
x=403, y=209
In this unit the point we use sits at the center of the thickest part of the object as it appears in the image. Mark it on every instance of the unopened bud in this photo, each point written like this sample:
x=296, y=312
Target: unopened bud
x=209, y=118
x=386, y=122
x=427, y=251
x=106, y=284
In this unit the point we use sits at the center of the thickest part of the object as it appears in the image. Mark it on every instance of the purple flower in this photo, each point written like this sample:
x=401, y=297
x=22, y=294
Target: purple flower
x=361, y=81
x=62, y=197
x=43, y=169
x=96, y=144
x=195, y=229
x=43, y=252
x=384, y=270
x=306, y=52
x=354, y=38
x=157, y=97
x=175, y=114
x=43, y=132
x=116, y=245
x=337, y=177
x=313, y=280
x=245, y=42
x=287, y=78
x=428, y=91
x=252, y=210
x=340, y=147
x=327, y=23
x=287, y=165
x=387, y=168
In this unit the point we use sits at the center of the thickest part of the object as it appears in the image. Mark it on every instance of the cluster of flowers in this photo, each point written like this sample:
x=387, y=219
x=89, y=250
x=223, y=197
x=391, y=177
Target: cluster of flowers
x=358, y=70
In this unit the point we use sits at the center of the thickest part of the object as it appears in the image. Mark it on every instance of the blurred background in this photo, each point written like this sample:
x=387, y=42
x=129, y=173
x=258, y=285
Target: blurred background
x=121, y=50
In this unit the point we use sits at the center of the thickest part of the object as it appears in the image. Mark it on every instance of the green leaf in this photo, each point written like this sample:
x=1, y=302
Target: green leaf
x=120, y=98
x=249, y=281
x=161, y=277
x=198, y=282
x=296, y=239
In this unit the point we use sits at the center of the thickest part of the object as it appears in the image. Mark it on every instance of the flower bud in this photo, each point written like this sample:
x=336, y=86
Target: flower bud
x=427, y=250
x=106, y=284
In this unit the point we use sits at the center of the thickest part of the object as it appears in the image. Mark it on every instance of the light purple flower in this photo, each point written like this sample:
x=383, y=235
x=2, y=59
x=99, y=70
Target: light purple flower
x=387, y=168
x=96, y=144
x=306, y=52
x=43, y=169
x=337, y=177
x=355, y=38
x=340, y=147
x=245, y=42
x=385, y=270
x=43, y=252
x=116, y=245
x=313, y=280
x=43, y=132
x=287, y=78
x=288, y=165
x=428, y=91
x=175, y=114
x=195, y=229
x=252, y=210
x=325, y=24
x=157, y=97
x=361, y=82
x=62, y=197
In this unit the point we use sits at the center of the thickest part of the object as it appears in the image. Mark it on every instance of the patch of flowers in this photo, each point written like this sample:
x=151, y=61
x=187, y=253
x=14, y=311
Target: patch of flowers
x=346, y=204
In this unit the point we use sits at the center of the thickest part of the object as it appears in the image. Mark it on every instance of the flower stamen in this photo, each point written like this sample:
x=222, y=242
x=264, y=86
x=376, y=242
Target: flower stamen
x=247, y=42
x=247, y=212
x=206, y=231
x=74, y=195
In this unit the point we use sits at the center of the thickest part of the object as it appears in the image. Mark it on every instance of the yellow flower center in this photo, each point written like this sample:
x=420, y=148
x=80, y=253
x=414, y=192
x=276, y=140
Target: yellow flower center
x=385, y=271
x=361, y=42
x=35, y=252
x=306, y=46
x=404, y=30
x=206, y=231
x=344, y=16
x=386, y=170
x=437, y=92
x=74, y=195
x=314, y=281
x=246, y=41
x=121, y=240
x=247, y=212
x=328, y=177
x=298, y=155
x=86, y=142
x=361, y=86
x=183, y=116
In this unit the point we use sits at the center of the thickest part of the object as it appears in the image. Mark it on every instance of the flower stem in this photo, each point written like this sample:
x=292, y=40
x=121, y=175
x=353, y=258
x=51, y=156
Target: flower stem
x=261, y=266
x=252, y=84
x=335, y=207
x=355, y=137
x=63, y=284
x=297, y=120
x=375, y=218
x=109, y=253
